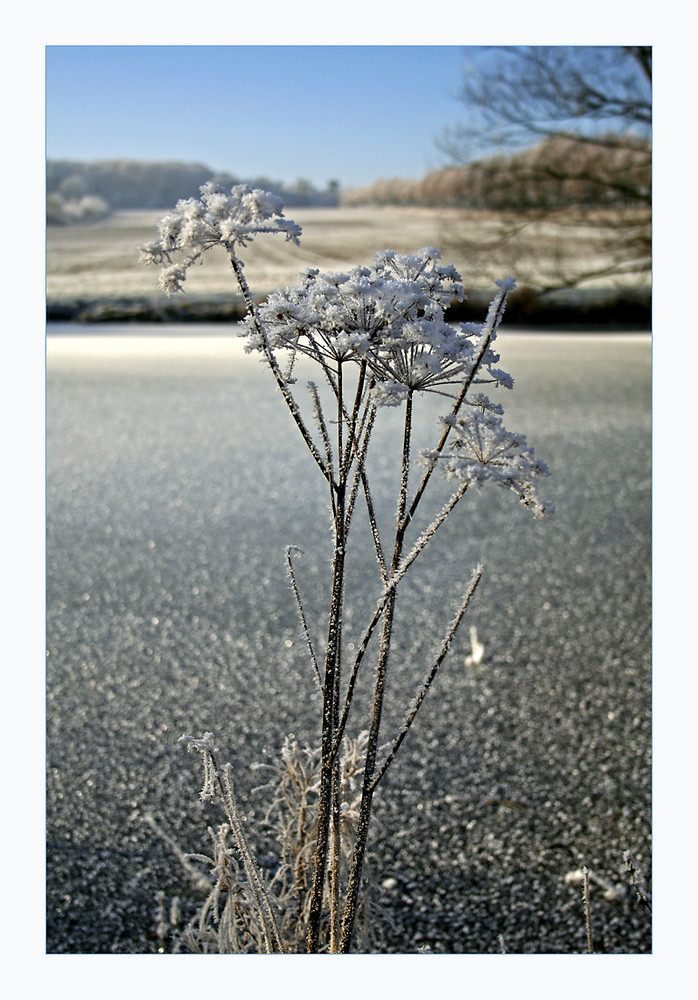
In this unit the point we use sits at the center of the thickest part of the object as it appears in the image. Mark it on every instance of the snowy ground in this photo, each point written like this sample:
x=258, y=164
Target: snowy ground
x=174, y=482
x=101, y=260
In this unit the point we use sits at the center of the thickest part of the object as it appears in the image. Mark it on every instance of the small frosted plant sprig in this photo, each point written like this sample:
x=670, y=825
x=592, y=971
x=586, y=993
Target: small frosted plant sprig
x=483, y=450
x=229, y=220
x=219, y=782
x=377, y=337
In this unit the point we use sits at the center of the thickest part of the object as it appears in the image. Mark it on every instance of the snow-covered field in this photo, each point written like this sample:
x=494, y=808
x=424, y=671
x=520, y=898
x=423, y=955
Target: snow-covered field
x=101, y=260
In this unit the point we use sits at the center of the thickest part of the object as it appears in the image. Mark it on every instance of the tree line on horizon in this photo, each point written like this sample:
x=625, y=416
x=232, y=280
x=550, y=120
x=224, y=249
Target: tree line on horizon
x=555, y=173
x=79, y=191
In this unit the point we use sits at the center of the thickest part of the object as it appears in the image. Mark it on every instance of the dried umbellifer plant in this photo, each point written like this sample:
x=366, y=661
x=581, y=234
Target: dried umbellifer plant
x=377, y=337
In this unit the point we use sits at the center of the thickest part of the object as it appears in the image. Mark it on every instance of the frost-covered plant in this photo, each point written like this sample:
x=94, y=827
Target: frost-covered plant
x=231, y=919
x=378, y=336
x=215, y=219
x=483, y=450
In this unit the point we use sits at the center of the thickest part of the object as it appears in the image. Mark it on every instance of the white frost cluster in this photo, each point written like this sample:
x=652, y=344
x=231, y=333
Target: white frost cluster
x=390, y=314
x=216, y=219
x=482, y=449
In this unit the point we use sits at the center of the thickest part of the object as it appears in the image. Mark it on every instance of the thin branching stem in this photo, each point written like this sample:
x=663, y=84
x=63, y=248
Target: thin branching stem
x=390, y=587
x=355, y=872
x=361, y=447
x=328, y=768
x=362, y=476
x=351, y=445
x=301, y=613
x=635, y=881
x=357, y=446
x=272, y=934
x=587, y=908
x=428, y=680
x=274, y=366
x=321, y=423
x=336, y=857
x=494, y=318
x=340, y=423
x=404, y=479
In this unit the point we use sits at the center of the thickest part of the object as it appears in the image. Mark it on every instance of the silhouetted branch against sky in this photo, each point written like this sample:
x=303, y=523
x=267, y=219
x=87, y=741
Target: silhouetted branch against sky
x=512, y=96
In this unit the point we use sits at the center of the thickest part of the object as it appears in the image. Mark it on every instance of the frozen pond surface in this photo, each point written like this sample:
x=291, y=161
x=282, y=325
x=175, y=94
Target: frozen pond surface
x=175, y=481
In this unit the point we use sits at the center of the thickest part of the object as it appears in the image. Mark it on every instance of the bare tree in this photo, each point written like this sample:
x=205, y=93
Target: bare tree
x=576, y=123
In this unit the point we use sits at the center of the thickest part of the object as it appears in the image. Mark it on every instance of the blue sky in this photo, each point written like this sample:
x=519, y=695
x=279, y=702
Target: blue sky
x=351, y=113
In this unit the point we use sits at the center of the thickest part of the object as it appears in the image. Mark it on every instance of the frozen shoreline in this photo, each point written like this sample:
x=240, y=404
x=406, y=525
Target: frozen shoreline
x=121, y=341
x=628, y=308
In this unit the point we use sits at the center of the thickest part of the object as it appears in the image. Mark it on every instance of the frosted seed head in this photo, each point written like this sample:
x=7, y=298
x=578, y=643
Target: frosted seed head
x=215, y=219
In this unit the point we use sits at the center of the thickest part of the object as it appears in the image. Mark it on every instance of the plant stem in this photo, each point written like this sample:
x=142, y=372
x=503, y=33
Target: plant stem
x=272, y=935
x=302, y=615
x=494, y=318
x=336, y=856
x=331, y=681
x=330, y=709
x=430, y=676
x=390, y=587
x=276, y=371
x=329, y=713
x=354, y=884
